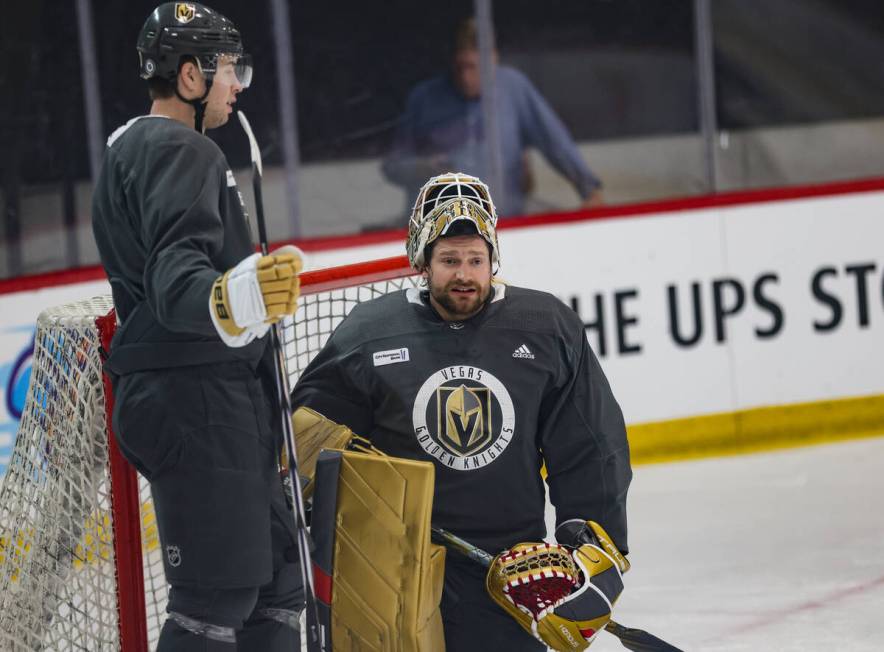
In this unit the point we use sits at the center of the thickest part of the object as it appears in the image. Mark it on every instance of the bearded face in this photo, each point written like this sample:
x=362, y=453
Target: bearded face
x=459, y=276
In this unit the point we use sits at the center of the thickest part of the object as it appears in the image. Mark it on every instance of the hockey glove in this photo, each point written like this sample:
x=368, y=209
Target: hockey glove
x=562, y=596
x=577, y=532
x=246, y=300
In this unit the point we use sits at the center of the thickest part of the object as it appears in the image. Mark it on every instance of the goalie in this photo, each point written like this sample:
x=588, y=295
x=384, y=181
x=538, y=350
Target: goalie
x=488, y=382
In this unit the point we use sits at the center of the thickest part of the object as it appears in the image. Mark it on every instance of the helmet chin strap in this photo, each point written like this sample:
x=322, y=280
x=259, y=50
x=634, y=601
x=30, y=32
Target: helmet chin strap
x=198, y=105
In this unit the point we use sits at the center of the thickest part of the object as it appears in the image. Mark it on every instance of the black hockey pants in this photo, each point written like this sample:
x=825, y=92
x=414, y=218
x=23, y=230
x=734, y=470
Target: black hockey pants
x=471, y=619
x=270, y=624
x=207, y=439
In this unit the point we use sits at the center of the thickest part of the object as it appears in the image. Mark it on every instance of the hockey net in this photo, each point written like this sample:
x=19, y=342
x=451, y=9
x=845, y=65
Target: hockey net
x=80, y=561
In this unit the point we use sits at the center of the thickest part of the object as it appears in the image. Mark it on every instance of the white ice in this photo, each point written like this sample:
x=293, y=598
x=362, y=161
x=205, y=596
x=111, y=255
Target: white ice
x=774, y=552
x=780, y=552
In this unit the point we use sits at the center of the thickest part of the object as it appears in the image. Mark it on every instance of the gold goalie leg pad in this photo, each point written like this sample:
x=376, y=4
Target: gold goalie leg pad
x=381, y=576
x=313, y=433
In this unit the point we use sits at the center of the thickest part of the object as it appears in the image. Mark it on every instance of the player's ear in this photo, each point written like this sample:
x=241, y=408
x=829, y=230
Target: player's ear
x=189, y=77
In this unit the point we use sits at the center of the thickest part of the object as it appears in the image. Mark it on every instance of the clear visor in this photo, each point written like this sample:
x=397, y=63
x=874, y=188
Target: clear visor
x=229, y=69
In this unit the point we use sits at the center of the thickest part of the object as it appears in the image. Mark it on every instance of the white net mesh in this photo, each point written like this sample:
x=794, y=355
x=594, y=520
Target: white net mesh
x=57, y=562
x=57, y=587
x=319, y=314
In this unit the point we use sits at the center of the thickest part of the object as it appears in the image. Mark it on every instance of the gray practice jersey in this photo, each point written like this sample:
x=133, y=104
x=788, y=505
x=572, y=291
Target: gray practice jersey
x=168, y=220
x=488, y=400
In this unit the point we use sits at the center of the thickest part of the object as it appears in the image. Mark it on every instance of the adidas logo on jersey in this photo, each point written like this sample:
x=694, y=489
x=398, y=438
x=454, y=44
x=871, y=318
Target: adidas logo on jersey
x=523, y=352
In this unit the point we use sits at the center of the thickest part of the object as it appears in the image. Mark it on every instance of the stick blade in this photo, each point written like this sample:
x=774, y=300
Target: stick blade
x=639, y=640
x=254, y=151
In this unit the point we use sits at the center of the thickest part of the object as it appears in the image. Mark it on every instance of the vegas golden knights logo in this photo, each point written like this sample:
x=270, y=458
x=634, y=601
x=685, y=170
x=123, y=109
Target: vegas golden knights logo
x=184, y=12
x=464, y=418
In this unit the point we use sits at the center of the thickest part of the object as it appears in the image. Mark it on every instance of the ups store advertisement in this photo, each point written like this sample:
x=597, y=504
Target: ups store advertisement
x=717, y=310
x=695, y=311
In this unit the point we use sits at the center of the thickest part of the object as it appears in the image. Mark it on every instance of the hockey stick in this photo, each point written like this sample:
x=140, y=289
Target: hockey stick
x=637, y=640
x=316, y=640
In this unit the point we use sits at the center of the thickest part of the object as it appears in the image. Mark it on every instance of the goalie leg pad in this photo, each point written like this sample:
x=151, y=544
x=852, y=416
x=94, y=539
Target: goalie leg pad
x=313, y=433
x=379, y=579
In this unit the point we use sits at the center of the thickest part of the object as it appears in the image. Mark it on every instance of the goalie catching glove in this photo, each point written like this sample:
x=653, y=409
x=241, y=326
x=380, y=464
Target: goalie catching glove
x=560, y=594
x=246, y=300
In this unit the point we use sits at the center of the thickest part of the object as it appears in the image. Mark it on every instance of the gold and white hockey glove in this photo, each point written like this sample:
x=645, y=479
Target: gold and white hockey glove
x=246, y=300
x=563, y=596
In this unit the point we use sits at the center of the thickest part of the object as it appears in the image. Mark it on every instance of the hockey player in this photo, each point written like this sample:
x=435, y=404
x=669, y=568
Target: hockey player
x=192, y=369
x=488, y=381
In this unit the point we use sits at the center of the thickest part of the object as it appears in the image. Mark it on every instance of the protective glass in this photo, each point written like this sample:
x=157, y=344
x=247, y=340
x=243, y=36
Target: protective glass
x=229, y=69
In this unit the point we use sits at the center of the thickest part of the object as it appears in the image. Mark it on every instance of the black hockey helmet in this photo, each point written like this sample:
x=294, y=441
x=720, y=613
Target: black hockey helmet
x=177, y=29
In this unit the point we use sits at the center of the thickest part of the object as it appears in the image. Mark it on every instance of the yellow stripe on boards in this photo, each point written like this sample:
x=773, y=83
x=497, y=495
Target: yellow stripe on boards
x=757, y=429
x=728, y=433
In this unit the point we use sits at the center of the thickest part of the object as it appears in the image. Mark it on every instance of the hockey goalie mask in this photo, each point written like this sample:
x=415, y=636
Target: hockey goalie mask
x=445, y=200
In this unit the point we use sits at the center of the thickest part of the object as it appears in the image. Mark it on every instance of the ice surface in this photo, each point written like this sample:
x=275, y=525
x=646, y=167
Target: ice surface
x=775, y=552
x=772, y=552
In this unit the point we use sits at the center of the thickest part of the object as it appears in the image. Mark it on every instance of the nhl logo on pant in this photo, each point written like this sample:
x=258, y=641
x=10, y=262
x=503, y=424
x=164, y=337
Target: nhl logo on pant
x=173, y=554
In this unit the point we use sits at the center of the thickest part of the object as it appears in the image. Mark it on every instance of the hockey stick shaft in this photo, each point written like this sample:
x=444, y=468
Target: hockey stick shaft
x=316, y=640
x=632, y=639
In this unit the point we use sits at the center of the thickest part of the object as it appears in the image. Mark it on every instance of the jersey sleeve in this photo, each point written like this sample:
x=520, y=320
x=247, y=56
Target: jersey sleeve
x=543, y=129
x=181, y=229
x=406, y=165
x=332, y=385
x=584, y=445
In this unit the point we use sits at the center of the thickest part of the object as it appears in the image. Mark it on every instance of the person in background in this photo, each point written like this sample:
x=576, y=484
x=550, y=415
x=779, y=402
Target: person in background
x=442, y=129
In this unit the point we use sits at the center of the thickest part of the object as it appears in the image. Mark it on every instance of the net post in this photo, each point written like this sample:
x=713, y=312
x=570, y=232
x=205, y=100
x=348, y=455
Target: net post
x=126, y=510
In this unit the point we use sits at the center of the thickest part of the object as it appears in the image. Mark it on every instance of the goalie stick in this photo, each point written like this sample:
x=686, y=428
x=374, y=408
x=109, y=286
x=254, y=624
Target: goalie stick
x=316, y=639
x=637, y=640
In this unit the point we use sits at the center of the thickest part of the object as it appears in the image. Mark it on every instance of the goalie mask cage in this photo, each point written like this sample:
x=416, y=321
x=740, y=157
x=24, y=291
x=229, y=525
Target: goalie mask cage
x=80, y=560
